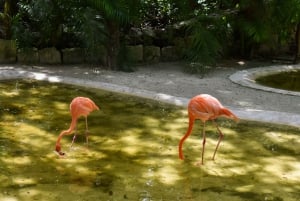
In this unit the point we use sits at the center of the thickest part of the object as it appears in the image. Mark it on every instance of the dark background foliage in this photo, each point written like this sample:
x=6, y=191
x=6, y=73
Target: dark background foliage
x=213, y=29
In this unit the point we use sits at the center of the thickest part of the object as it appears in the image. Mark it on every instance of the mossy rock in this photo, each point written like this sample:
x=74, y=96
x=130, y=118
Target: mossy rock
x=8, y=51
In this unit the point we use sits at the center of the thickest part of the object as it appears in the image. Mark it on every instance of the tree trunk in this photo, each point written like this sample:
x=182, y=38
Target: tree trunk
x=297, y=41
x=9, y=10
x=113, y=45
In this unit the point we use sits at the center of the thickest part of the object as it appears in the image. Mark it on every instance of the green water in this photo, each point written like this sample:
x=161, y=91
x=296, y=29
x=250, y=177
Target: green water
x=132, y=152
x=285, y=80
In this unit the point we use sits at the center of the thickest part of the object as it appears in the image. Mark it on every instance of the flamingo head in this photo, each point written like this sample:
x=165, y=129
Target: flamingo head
x=58, y=150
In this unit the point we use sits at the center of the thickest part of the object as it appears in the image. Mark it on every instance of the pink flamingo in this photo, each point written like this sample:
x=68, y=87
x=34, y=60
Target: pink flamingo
x=80, y=106
x=205, y=107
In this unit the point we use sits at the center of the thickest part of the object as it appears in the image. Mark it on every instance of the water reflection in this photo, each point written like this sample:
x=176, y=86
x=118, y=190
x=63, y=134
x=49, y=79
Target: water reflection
x=132, y=152
x=284, y=80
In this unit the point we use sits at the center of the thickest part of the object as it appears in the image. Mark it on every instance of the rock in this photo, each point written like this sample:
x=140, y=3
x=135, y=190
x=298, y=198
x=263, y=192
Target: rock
x=97, y=56
x=73, y=56
x=134, y=37
x=50, y=56
x=148, y=36
x=134, y=53
x=8, y=51
x=151, y=54
x=169, y=53
x=180, y=47
x=28, y=56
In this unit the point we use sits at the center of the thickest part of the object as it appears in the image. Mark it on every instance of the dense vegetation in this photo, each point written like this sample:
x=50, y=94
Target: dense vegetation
x=214, y=28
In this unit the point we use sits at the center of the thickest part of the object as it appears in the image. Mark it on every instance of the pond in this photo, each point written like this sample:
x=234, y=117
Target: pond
x=287, y=80
x=132, y=152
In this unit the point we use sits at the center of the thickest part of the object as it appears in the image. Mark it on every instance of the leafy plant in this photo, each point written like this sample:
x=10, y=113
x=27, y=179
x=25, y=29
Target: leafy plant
x=117, y=16
x=6, y=16
x=208, y=33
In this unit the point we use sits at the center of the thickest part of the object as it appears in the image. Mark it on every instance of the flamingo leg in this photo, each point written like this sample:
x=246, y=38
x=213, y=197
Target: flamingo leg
x=86, y=131
x=221, y=135
x=203, y=143
x=74, y=137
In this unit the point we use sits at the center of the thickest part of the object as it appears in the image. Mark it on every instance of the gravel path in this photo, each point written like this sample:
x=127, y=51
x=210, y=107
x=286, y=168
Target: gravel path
x=170, y=79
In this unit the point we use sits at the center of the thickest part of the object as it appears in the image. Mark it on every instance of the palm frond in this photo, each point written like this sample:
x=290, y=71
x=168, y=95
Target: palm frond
x=112, y=9
x=204, y=45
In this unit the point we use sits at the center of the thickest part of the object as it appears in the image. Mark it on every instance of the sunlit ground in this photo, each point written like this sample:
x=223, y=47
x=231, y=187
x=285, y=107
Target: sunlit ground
x=133, y=154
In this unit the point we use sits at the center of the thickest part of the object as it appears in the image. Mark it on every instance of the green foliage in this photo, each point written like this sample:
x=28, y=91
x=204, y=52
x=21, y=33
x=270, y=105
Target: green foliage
x=90, y=31
x=8, y=10
x=41, y=21
x=284, y=17
x=58, y=23
x=160, y=13
x=209, y=32
x=204, y=45
x=117, y=15
x=120, y=11
x=214, y=28
x=264, y=22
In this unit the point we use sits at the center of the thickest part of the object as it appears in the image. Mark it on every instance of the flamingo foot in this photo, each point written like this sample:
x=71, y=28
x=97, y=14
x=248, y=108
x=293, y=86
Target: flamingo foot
x=199, y=163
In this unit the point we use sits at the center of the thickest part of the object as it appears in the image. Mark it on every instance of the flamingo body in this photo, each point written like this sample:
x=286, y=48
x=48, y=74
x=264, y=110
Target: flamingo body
x=205, y=107
x=80, y=106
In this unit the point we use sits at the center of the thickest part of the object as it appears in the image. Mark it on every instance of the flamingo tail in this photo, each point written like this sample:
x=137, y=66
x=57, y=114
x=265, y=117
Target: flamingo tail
x=188, y=133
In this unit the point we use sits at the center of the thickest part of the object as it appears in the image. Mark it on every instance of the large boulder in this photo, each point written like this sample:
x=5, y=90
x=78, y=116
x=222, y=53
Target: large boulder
x=180, y=47
x=73, y=56
x=97, y=56
x=151, y=54
x=50, y=56
x=134, y=53
x=28, y=56
x=169, y=53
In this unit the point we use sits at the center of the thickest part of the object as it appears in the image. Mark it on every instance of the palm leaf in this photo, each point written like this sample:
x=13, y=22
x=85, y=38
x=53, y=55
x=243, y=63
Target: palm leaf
x=204, y=46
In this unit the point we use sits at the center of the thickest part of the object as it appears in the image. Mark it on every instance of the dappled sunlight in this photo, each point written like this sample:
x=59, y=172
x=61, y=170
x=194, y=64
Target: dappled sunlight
x=133, y=151
x=21, y=181
x=17, y=161
x=282, y=168
x=10, y=93
x=61, y=106
x=130, y=143
x=46, y=77
x=287, y=141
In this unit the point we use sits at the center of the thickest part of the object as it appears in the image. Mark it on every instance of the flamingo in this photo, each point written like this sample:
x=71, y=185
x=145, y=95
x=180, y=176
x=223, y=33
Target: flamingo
x=80, y=106
x=205, y=107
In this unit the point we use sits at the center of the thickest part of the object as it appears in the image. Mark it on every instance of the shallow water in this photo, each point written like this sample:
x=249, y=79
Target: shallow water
x=285, y=80
x=132, y=152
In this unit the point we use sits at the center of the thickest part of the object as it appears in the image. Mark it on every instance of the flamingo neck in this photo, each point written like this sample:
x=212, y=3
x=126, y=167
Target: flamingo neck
x=187, y=134
x=65, y=132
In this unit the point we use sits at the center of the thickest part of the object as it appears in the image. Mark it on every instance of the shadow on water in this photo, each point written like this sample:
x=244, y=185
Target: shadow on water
x=132, y=154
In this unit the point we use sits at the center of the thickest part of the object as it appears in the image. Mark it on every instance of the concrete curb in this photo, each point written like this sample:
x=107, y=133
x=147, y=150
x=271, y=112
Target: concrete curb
x=246, y=114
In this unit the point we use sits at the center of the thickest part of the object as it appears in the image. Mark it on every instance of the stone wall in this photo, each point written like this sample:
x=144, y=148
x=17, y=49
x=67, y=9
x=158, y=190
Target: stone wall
x=8, y=51
x=136, y=53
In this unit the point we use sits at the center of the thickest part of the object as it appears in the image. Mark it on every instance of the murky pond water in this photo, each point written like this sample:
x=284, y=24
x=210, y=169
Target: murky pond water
x=132, y=152
x=285, y=80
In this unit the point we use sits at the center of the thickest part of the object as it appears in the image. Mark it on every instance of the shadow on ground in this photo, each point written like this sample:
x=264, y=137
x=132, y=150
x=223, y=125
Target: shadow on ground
x=132, y=154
